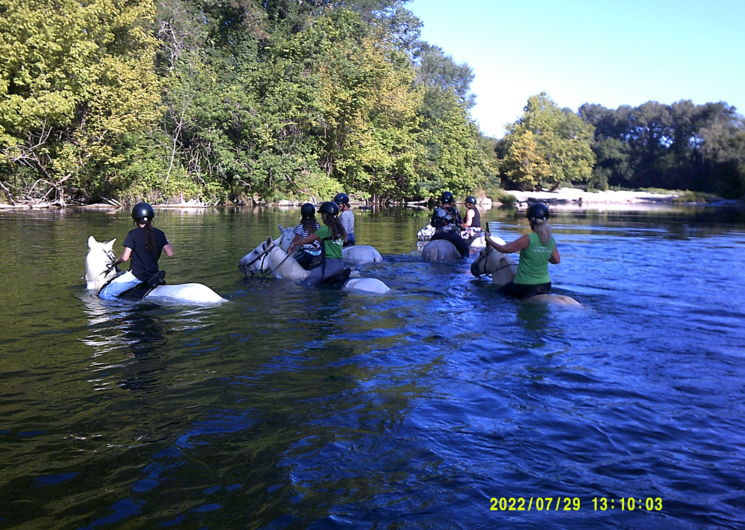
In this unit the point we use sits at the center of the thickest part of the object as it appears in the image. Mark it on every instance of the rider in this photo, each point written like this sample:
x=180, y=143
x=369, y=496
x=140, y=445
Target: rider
x=471, y=226
x=346, y=217
x=143, y=244
x=309, y=256
x=332, y=236
x=446, y=229
x=447, y=203
x=537, y=250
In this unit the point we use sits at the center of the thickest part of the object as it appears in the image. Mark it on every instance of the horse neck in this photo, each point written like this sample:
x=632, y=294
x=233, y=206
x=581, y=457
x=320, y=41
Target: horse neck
x=284, y=266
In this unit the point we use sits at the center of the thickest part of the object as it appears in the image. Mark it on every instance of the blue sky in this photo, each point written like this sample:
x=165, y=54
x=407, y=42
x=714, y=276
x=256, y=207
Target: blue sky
x=611, y=52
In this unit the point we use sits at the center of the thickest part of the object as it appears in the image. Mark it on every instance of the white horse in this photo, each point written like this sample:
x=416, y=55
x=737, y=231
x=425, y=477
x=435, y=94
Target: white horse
x=502, y=268
x=98, y=272
x=442, y=250
x=270, y=258
x=354, y=255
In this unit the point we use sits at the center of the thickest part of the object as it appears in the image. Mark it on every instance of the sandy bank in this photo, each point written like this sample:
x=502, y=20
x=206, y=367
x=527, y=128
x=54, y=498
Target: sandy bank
x=572, y=198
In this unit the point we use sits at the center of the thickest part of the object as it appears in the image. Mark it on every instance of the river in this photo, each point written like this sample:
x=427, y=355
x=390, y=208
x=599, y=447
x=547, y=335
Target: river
x=439, y=405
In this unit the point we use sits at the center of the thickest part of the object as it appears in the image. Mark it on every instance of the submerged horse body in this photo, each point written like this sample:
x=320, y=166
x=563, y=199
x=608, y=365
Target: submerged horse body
x=99, y=271
x=442, y=250
x=270, y=258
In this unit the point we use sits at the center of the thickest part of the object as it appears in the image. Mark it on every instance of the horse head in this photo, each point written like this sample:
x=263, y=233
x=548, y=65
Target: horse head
x=98, y=263
x=491, y=261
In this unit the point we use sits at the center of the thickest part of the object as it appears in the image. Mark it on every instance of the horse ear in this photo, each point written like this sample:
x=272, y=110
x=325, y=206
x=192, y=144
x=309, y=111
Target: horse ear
x=110, y=244
x=281, y=229
x=92, y=242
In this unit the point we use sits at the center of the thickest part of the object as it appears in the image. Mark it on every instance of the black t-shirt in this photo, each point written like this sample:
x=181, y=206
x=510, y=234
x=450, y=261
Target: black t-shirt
x=144, y=263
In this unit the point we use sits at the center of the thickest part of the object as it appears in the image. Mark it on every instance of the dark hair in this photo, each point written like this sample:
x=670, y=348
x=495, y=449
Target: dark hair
x=149, y=236
x=335, y=226
x=309, y=224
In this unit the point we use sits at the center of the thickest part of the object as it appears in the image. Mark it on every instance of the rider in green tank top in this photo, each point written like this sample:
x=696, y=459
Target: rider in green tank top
x=533, y=266
x=537, y=250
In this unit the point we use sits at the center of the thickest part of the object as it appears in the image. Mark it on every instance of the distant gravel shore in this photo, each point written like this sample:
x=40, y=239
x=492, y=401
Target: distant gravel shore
x=576, y=198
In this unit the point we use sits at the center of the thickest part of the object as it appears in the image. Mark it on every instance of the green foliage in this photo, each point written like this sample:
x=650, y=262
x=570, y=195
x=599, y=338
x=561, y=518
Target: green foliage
x=547, y=147
x=243, y=100
x=75, y=80
x=678, y=146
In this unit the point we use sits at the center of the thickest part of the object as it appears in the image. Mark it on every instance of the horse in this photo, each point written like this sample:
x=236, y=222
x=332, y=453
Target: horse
x=99, y=272
x=354, y=254
x=269, y=257
x=502, y=268
x=442, y=250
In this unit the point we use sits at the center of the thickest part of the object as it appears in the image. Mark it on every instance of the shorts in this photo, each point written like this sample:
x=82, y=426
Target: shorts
x=523, y=290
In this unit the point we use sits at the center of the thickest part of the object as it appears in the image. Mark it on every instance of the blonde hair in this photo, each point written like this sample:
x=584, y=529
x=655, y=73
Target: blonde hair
x=540, y=227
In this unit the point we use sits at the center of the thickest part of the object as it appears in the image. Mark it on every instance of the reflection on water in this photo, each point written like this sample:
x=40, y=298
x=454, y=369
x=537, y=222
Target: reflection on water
x=295, y=407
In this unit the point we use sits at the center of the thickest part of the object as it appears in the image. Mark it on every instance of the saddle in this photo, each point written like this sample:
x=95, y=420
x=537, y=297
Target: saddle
x=336, y=281
x=140, y=291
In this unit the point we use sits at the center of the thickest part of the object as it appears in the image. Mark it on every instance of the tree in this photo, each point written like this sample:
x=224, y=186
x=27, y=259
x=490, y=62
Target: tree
x=547, y=146
x=75, y=82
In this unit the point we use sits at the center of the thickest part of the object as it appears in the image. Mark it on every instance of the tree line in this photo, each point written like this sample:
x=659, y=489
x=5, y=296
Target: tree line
x=249, y=100
x=680, y=146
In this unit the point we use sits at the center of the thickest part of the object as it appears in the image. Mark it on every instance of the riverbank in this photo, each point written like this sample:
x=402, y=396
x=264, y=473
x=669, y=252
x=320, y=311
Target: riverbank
x=574, y=198
x=562, y=198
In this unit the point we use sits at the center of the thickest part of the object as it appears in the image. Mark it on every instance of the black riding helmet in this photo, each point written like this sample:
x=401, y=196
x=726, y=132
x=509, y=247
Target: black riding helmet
x=341, y=198
x=329, y=208
x=446, y=197
x=143, y=212
x=307, y=211
x=537, y=210
x=470, y=199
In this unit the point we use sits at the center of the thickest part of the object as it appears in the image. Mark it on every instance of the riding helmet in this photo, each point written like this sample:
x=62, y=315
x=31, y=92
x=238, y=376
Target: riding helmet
x=341, y=198
x=470, y=199
x=537, y=210
x=329, y=208
x=142, y=211
x=307, y=211
x=446, y=197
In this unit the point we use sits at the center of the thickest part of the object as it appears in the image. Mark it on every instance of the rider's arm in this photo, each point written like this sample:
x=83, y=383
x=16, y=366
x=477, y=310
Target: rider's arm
x=469, y=219
x=126, y=253
x=168, y=249
x=555, y=258
x=515, y=246
x=304, y=241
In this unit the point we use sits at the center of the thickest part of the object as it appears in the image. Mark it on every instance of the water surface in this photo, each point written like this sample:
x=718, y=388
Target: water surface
x=290, y=407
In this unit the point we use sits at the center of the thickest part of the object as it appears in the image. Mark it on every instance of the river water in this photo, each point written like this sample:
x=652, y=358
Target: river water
x=430, y=406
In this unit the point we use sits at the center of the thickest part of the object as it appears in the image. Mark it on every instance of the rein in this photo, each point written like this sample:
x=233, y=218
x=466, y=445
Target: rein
x=489, y=250
x=265, y=253
x=107, y=270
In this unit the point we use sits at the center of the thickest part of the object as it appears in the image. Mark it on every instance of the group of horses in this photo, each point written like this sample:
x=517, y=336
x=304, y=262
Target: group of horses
x=270, y=257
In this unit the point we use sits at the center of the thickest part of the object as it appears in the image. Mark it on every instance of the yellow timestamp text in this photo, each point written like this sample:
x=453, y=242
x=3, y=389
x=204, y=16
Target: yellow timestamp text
x=573, y=504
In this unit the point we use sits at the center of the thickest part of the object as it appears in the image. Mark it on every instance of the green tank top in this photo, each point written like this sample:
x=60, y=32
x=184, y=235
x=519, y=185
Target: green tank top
x=331, y=247
x=533, y=266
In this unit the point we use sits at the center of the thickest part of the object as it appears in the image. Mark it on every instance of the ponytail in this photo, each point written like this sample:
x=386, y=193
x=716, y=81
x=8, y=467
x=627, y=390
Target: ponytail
x=540, y=227
x=309, y=224
x=335, y=226
x=149, y=237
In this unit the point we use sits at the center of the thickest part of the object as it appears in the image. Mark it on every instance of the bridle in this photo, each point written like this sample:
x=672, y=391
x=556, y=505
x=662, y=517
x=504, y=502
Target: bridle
x=505, y=266
x=264, y=253
x=112, y=263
